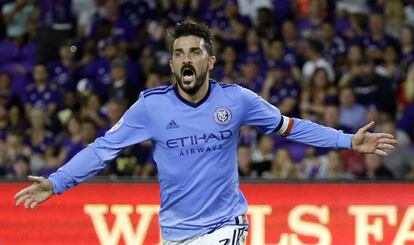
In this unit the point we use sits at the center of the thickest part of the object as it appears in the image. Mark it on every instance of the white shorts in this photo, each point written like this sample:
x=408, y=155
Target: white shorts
x=228, y=235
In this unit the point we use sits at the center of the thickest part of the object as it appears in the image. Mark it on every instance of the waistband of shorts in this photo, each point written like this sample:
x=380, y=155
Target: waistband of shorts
x=241, y=219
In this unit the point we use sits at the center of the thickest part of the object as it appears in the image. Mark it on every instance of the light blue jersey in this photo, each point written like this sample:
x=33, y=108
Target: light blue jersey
x=195, y=148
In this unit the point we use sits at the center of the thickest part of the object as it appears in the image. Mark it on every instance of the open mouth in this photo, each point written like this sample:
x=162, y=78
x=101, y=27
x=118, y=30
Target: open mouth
x=187, y=74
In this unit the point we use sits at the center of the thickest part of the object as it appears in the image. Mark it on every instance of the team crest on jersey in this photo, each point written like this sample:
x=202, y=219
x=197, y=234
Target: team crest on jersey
x=222, y=115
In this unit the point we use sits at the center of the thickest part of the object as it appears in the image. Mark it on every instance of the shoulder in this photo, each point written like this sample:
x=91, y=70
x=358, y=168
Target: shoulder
x=236, y=92
x=156, y=92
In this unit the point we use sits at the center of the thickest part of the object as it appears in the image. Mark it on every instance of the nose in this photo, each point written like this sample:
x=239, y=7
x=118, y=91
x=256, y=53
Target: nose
x=187, y=59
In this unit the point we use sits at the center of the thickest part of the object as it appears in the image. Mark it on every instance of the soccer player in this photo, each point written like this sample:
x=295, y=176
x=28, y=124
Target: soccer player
x=194, y=126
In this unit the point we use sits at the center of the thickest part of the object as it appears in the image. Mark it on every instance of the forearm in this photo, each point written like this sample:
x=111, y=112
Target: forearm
x=82, y=166
x=310, y=133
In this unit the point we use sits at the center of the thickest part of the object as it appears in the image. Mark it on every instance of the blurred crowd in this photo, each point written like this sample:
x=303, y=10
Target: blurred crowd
x=70, y=68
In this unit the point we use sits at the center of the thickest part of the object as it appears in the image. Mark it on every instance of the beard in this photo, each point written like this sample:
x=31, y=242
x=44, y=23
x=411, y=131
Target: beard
x=199, y=80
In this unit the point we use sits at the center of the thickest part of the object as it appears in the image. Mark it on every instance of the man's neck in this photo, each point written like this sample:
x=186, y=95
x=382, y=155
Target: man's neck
x=198, y=96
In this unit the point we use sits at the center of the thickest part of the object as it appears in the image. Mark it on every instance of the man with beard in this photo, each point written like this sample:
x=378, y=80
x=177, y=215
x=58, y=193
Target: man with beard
x=194, y=125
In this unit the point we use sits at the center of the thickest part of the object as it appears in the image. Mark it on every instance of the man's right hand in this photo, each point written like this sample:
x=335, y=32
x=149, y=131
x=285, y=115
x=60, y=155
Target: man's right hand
x=33, y=195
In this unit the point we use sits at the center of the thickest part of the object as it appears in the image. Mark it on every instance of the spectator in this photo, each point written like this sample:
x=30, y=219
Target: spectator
x=291, y=40
x=276, y=56
x=251, y=9
x=332, y=167
x=377, y=39
x=400, y=161
x=227, y=64
x=263, y=154
x=407, y=47
x=352, y=115
x=177, y=10
x=409, y=13
x=56, y=25
x=64, y=72
x=113, y=24
x=394, y=17
x=282, y=167
x=313, y=53
x=315, y=95
x=8, y=97
x=310, y=25
x=406, y=122
x=86, y=11
x=265, y=27
x=15, y=15
x=250, y=75
x=390, y=68
x=121, y=88
x=71, y=138
x=331, y=118
x=40, y=140
x=21, y=167
x=281, y=91
x=16, y=120
x=371, y=88
x=376, y=169
x=41, y=94
x=14, y=146
x=3, y=122
x=232, y=26
x=92, y=110
x=244, y=157
x=254, y=50
x=334, y=46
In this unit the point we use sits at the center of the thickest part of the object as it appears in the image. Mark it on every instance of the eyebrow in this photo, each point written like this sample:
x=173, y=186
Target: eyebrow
x=191, y=49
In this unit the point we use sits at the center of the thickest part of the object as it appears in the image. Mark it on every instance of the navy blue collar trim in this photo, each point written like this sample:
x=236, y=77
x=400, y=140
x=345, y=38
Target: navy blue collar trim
x=189, y=103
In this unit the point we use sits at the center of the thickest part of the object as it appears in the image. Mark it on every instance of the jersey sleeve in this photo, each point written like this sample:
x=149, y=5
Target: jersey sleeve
x=132, y=128
x=310, y=133
x=259, y=112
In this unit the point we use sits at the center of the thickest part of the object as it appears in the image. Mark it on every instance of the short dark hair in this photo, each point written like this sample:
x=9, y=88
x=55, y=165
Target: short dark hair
x=191, y=28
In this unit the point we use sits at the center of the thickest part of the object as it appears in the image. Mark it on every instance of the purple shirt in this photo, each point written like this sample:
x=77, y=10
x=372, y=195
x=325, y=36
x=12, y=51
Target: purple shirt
x=99, y=72
x=336, y=49
x=9, y=52
x=137, y=12
x=56, y=11
x=43, y=146
x=42, y=99
x=208, y=15
x=121, y=29
x=62, y=76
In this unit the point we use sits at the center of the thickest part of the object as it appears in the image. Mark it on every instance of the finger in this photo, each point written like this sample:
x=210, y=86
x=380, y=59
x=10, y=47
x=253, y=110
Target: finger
x=381, y=152
x=27, y=202
x=368, y=126
x=25, y=191
x=386, y=146
x=384, y=135
x=34, y=204
x=34, y=178
x=388, y=141
x=21, y=199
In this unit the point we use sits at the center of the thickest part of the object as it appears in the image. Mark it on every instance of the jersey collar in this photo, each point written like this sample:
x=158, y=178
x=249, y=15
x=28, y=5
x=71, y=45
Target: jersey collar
x=189, y=103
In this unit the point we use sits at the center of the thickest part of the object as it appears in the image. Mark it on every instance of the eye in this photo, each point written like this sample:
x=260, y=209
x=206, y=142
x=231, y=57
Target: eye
x=178, y=54
x=197, y=52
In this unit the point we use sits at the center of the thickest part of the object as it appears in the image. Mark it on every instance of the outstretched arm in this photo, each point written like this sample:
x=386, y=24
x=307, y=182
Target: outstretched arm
x=131, y=129
x=310, y=133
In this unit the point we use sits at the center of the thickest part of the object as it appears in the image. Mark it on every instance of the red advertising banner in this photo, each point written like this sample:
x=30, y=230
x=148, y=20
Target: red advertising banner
x=282, y=214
